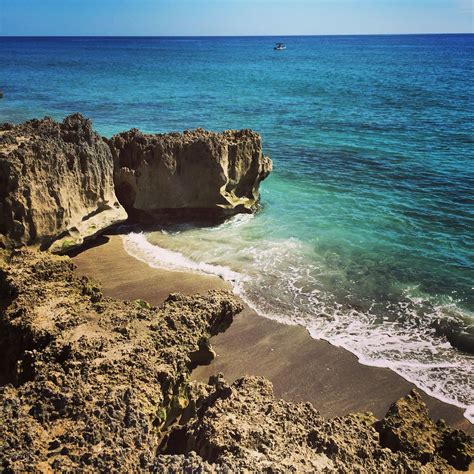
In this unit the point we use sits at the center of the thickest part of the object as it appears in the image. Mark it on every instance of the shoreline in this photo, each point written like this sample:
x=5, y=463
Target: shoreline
x=301, y=368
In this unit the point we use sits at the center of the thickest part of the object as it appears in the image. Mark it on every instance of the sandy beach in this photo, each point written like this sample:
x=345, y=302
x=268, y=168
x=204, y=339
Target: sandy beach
x=300, y=368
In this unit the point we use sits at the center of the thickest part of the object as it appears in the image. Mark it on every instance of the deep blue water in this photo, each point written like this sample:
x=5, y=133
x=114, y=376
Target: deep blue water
x=366, y=231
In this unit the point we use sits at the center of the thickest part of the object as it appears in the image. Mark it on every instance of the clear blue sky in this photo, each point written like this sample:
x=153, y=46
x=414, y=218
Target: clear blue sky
x=233, y=17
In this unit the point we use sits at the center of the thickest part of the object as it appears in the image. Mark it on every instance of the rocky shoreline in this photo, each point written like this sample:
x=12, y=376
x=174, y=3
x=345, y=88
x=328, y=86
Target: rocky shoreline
x=94, y=383
x=90, y=383
x=62, y=184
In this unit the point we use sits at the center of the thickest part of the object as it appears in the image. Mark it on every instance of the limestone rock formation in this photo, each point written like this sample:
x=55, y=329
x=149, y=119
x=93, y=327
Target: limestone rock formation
x=89, y=383
x=407, y=427
x=243, y=428
x=56, y=184
x=61, y=183
x=198, y=171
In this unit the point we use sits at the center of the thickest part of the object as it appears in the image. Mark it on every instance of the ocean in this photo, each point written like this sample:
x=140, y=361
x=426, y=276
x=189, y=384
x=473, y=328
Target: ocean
x=365, y=232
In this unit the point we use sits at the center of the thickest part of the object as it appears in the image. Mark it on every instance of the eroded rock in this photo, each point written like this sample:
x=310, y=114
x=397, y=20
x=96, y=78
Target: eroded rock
x=56, y=184
x=97, y=385
x=456, y=446
x=61, y=183
x=197, y=171
x=90, y=383
x=243, y=428
x=407, y=427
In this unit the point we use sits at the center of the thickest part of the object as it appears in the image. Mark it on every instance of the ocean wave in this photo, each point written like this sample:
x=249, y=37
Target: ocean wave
x=138, y=246
x=278, y=279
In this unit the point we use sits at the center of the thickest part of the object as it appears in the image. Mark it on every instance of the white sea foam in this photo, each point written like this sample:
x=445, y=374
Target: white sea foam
x=138, y=246
x=276, y=278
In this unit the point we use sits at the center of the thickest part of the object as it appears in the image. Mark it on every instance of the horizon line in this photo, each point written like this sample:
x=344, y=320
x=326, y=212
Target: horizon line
x=239, y=36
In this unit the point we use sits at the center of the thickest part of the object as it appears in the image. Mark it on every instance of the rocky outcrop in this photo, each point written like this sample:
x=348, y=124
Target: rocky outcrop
x=61, y=183
x=56, y=184
x=243, y=428
x=89, y=383
x=459, y=332
x=408, y=428
x=196, y=171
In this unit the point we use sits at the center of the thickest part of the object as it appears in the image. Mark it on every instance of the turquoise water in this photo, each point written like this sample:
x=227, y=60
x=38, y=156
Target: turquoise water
x=365, y=232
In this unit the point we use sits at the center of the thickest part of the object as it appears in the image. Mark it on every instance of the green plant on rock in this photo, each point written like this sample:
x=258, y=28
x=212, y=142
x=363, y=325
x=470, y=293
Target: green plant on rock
x=67, y=244
x=142, y=304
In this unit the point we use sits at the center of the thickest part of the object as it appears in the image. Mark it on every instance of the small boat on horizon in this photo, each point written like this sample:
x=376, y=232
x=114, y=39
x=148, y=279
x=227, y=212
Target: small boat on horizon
x=279, y=47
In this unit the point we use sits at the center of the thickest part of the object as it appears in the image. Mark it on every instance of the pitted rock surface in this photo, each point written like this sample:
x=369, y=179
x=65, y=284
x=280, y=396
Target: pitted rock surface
x=407, y=427
x=202, y=172
x=243, y=427
x=89, y=382
x=56, y=184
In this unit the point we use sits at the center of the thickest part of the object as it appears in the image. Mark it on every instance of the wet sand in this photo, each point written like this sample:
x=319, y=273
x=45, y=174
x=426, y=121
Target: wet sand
x=300, y=368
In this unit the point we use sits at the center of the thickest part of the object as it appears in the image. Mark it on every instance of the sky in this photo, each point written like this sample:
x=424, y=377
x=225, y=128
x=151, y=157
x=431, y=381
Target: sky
x=232, y=17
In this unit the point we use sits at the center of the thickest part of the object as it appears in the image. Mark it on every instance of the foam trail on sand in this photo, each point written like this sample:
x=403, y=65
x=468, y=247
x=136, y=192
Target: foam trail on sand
x=277, y=279
x=138, y=246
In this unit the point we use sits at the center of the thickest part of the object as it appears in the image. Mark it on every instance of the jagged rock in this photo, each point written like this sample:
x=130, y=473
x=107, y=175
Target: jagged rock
x=202, y=172
x=56, y=184
x=456, y=446
x=89, y=383
x=92, y=384
x=407, y=427
x=243, y=428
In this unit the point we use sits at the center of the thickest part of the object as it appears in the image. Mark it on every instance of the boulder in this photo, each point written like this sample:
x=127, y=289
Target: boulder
x=56, y=184
x=202, y=172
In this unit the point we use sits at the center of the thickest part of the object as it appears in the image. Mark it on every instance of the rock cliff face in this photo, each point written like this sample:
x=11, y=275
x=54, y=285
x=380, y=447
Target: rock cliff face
x=197, y=171
x=89, y=384
x=56, y=184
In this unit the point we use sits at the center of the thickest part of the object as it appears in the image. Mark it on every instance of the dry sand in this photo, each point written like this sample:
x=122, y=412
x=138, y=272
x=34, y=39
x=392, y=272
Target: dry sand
x=301, y=368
